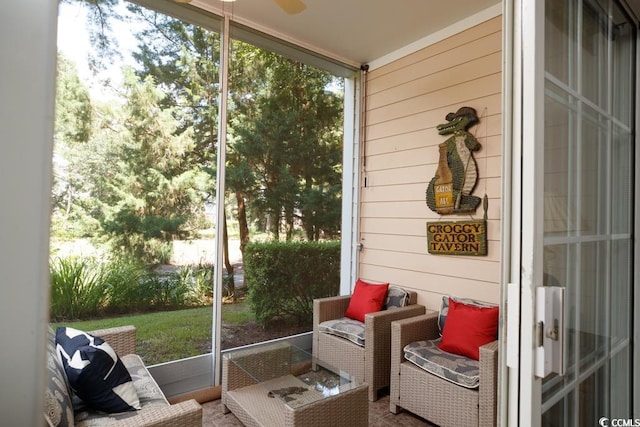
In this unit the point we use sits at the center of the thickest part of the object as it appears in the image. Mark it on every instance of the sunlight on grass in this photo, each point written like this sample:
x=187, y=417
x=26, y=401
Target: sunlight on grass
x=237, y=314
x=170, y=335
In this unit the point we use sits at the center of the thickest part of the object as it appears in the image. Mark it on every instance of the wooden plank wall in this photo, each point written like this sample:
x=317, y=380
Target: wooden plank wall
x=405, y=101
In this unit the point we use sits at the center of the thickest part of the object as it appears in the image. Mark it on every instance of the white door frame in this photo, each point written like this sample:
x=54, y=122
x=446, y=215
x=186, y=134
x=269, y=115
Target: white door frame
x=524, y=35
x=524, y=26
x=636, y=244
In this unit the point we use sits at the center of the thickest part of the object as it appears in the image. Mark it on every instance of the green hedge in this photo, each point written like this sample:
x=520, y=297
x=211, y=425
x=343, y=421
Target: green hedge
x=283, y=278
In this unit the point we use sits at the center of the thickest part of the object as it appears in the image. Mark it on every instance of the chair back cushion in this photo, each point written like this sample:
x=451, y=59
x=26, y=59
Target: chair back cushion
x=396, y=298
x=58, y=410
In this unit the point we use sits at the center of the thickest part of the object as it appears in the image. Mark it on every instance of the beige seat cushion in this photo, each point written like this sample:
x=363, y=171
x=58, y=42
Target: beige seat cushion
x=148, y=391
x=460, y=370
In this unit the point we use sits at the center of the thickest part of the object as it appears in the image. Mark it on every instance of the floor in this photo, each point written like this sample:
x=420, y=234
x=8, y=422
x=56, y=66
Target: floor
x=379, y=416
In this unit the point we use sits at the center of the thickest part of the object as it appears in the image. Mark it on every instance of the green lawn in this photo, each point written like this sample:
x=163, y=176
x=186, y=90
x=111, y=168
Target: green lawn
x=170, y=335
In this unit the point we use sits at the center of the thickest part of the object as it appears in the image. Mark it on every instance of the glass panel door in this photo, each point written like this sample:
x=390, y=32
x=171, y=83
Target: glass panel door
x=588, y=200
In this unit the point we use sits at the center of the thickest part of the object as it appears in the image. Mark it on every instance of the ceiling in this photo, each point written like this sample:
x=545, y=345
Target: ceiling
x=354, y=31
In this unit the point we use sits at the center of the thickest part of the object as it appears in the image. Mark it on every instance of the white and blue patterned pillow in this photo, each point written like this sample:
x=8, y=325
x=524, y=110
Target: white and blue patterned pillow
x=95, y=372
x=149, y=393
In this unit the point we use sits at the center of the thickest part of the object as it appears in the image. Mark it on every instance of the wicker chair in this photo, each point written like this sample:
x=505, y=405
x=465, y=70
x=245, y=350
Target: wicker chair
x=370, y=362
x=156, y=410
x=436, y=399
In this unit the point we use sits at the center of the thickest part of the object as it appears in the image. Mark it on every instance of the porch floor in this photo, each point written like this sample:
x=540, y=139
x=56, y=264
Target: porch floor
x=379, y=416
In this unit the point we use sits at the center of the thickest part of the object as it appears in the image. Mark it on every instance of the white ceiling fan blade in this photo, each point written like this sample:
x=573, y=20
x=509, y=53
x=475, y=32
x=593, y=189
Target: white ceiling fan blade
x=291, y=6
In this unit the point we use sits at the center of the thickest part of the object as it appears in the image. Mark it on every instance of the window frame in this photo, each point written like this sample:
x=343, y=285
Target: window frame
x=203, y=371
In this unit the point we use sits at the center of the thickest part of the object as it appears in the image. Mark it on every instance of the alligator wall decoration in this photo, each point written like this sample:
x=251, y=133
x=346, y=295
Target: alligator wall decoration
x=449, y=191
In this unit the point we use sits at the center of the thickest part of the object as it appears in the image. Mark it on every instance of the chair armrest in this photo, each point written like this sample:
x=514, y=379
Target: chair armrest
x=329, y=308
x=388, y=316
x=488, y=398
x=377, y=340
x=405, y=331
x=488, y=362
x=324, y=309
x=377, y=327
x=378, y=324
x=489, y=352
x=187, y=414
x=122, y=338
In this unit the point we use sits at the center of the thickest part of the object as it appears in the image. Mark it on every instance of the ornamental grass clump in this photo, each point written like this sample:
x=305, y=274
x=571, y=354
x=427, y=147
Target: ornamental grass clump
x=126, y=282
x=77, y=288
x=82, y=288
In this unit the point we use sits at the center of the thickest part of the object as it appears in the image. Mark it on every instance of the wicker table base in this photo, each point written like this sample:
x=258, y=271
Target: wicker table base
x=286, y=398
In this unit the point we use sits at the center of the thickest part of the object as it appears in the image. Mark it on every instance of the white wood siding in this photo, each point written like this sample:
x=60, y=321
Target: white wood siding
x=406, y=100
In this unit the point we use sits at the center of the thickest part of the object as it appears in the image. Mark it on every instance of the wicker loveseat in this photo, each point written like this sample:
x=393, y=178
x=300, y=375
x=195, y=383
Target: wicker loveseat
x=368, y=360
x=63, y=409
x=446, y=389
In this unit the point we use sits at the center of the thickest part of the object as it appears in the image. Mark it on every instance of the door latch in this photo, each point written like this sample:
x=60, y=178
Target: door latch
x=549, y=351
x=539, y=333
x=553, y=333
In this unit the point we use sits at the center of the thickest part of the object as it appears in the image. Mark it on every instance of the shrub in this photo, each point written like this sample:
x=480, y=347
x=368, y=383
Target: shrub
x=137, y=246
x=283, y=278
x=170, y=292
x=200, y=279
x=126, y=282
x=82, y=288
x=77, y=288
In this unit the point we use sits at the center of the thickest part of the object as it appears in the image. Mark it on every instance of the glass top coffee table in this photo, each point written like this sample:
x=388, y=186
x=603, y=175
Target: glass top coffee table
x=279, y=384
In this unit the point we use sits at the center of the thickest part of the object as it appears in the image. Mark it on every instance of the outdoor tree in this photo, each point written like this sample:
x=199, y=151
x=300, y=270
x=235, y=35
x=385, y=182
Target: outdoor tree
x=154, y=190
x=184, y=59
x=73, y=128
x=286, y=128
x=152, y=156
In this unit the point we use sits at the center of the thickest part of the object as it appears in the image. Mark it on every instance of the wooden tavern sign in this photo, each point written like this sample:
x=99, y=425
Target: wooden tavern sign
x=457, y=237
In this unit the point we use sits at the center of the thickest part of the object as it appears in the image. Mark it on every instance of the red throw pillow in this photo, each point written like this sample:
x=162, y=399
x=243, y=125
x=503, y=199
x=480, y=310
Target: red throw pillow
x=366, y=298
x=467, y=328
